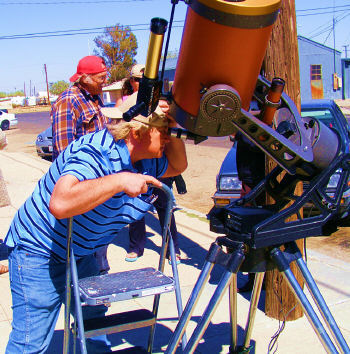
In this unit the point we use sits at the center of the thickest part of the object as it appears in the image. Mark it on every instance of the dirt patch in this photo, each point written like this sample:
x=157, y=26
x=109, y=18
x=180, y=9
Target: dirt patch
x=30, y=109
x=336, y=245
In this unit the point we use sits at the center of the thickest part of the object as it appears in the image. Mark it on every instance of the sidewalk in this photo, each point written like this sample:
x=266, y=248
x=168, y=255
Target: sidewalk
x=21, y=172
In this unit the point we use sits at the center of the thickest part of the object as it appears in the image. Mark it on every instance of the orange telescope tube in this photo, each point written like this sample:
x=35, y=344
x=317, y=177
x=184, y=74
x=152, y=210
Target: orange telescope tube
x=223, y=42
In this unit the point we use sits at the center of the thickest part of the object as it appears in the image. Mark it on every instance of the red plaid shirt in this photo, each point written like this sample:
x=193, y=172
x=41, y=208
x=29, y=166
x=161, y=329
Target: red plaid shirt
x=75, y=113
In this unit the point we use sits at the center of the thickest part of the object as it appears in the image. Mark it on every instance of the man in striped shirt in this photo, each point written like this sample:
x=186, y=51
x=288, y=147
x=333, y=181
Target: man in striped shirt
x=98, y=179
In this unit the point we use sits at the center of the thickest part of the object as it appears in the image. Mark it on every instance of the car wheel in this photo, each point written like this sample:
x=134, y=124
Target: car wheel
x=5, y=125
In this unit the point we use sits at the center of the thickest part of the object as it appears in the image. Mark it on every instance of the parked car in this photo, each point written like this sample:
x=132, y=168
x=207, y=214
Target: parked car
x=328, y=112
x=44, y=140
x=7, y=120
x=44, y=144
x=228, y=185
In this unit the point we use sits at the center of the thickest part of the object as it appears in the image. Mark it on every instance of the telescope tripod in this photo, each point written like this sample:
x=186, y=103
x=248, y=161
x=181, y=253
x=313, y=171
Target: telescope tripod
x=237, y=259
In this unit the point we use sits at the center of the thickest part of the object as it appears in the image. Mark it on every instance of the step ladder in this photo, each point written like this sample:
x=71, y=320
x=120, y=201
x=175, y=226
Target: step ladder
x=127, y=285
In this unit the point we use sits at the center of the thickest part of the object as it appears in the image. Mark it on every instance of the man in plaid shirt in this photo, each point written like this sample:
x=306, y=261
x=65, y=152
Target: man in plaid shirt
x=77, y=112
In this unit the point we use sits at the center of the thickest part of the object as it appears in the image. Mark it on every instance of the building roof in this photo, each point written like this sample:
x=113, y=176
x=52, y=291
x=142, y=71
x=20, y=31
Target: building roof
x=170, y=63
x=118, y=85
x=317, y=44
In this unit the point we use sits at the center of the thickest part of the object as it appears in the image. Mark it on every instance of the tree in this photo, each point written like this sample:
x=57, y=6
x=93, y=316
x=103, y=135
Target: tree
x=11, y=94
x=118, y=47
x=58, y=87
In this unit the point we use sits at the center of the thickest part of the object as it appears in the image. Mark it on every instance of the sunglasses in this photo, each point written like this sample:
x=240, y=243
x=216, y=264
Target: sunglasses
x=136, y=79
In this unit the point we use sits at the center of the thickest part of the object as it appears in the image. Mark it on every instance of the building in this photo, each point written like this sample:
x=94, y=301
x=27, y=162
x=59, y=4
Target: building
x=113, y=92
x=320, y=70
x=345, y=71
x=318, y=79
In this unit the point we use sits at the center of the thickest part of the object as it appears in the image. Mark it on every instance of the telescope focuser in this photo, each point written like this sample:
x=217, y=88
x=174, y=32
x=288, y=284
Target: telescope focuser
x=186, y=135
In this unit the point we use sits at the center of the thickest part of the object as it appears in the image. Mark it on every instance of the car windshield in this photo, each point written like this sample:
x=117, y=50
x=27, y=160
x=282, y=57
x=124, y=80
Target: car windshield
x=322, y=114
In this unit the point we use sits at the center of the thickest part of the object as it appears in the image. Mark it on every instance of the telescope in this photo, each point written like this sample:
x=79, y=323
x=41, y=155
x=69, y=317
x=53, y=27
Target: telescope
x=211, y=96
x=216, y=80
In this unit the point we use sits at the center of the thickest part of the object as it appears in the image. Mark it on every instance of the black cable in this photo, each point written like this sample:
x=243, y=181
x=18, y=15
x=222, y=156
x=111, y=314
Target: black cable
x=281, y=324
x=174, y=2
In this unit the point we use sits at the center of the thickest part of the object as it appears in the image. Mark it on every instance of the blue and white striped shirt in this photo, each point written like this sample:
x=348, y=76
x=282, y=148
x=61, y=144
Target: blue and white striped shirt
x=92, y=156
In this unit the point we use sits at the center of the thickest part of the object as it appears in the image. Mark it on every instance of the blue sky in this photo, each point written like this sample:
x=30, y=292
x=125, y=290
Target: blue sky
x=22, y=60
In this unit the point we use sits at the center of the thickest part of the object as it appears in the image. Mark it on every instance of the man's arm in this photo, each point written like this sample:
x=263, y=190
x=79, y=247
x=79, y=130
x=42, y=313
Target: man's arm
x=175, y=152
x=71, y=197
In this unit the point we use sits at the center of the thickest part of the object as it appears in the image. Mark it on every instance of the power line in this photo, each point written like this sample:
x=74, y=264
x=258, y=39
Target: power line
x=324, y=13
x=70, y=2
x=73, y=32
x=328, y=28
x=324, y=8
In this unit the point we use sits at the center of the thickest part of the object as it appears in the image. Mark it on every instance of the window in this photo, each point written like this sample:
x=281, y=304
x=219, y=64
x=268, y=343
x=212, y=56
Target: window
x=316, y=81
x=316, y=72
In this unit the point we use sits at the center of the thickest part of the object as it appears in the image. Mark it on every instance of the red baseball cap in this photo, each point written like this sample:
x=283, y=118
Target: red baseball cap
x=91, y=64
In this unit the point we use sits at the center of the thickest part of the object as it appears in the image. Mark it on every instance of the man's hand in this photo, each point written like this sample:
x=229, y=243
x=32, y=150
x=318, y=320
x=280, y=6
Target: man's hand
x=71, y=197
x=164, y=106
x=134, y=184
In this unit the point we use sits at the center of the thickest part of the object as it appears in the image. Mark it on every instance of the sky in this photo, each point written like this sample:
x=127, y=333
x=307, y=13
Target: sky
x=57, y=33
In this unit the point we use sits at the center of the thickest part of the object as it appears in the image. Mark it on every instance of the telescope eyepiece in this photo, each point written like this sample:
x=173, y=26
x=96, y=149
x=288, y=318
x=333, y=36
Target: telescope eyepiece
x=158, y=25
x=133, y=111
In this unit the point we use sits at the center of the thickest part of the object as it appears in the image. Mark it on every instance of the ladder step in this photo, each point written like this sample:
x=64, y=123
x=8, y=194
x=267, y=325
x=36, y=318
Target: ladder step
x=120, y=286
x=118, y=322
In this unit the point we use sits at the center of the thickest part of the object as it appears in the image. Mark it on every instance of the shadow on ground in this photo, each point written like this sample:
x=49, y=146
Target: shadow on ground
x=215, y=337
x=194, y=254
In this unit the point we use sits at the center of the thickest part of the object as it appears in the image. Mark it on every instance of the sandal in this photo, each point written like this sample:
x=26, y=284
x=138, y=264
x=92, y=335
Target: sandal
x=3, y=269
x=178, y=259
x=131, y=257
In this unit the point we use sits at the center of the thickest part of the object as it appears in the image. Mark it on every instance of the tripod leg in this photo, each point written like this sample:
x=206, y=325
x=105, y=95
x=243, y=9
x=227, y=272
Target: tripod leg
x=233, y=311
x=232, y=267
x=254, y=300
x=190, y=306
x=283, y=266
x=322, y=306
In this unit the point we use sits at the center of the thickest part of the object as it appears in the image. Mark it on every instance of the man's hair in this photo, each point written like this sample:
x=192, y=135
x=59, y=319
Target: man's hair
x=121, y=130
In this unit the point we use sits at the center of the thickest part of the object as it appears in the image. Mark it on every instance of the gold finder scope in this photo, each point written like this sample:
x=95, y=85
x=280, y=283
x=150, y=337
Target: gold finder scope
x=150, y=87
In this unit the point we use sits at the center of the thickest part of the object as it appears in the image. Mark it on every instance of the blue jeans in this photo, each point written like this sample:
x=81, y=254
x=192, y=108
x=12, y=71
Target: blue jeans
x=137, y=229
x=38, y=291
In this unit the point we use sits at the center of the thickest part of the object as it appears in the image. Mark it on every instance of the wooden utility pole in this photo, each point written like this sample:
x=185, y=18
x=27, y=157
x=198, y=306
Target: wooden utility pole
x=47, y=86
x=282, y=60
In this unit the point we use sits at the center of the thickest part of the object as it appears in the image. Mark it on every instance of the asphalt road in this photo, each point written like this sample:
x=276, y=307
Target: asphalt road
x=22, y=138
x=34, y=122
